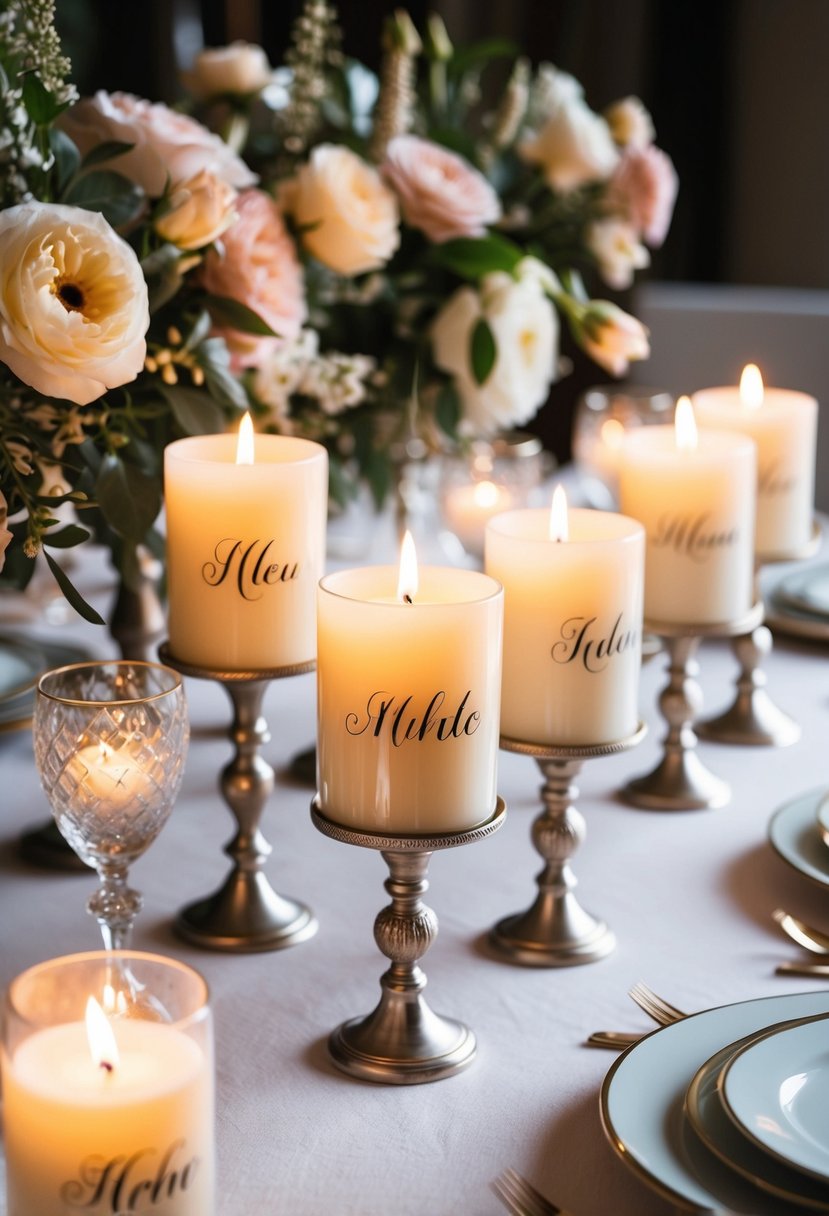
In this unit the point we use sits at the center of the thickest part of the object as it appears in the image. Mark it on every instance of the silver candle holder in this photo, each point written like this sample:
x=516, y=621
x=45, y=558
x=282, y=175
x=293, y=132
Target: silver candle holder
x=681, y=781
x=245, y=913
x=403, y=1041
x=753, y=719
x=556, y=931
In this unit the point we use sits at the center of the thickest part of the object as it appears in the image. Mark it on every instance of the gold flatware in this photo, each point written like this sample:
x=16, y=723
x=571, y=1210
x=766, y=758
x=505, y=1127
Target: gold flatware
x=818, y=971
x=521, y=1198
x=662, y=1012
x=805, y=935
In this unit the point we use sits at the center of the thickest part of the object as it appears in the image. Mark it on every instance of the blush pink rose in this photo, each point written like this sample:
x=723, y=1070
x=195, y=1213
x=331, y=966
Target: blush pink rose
x=258, y=267
x=644, y=187
x=168, y=145
x=439, y=192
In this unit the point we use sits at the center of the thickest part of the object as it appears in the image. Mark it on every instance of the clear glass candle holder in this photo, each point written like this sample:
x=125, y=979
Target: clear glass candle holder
x=603, y=415
x=106, y=1110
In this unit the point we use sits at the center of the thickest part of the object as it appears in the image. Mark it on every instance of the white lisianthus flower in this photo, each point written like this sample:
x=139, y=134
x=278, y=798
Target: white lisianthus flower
x=573, y=147
x=611, y=337
x=73, y=302
x=349, y=217
x=617, y=249
x=525, y=328
x=198, y=212
x=241, y=68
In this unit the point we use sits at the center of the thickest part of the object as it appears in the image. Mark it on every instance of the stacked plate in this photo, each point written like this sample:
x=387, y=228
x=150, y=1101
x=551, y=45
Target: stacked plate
x=727, y=1109
x=799, y=833
x=22, y=661
x=797, y=602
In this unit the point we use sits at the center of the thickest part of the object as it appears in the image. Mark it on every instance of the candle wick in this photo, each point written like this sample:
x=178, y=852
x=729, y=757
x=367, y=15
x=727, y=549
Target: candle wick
x=407, y=599
x=107, y=1067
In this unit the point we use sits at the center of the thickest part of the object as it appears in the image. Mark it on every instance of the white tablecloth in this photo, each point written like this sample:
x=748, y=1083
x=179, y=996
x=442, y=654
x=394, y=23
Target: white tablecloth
x=689, y=895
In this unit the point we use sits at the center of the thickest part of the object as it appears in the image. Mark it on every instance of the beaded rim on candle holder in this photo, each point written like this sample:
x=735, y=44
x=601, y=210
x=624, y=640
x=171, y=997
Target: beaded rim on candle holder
x=229, y=677
x=543, y=751
x=409, y=843
x=717, y=629
x=808, y=549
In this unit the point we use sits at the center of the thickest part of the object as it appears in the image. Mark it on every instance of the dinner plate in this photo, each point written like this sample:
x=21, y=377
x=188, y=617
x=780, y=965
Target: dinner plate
x=822, y=816
x=795, y=836
x=806, y=590
x=709, y=1118
x=643, y=1097
x=775, y=1088
x=783, y=614
x=16, y=711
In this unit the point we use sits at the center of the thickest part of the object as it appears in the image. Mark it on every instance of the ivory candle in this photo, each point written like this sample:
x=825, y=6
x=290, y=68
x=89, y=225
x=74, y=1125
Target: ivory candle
x=572, y=623
x=135, y=1138
x=783, y=424
x=468, y=508
x=245, y=549
x=408, y=698
x=115, y=779
x=695, y=494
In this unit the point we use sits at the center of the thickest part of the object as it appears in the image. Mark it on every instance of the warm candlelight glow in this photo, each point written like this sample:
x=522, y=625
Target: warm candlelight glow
x=612, y=433
x=558, y=515
x=407, y=582
x=244, y=444
x=486, y=494
x=685, y=425
x=751, y=387
x=102, y=1045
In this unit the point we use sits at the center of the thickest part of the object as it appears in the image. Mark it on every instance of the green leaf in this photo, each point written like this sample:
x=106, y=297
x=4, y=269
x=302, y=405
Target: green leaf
x=129, y=499
x=482, y=350
x=198, y=331
x=238, y=316
x=72, y=594
x=196, y=412
x=106, y=151
x=114, y=195
x=448, y=408
x=67, y=158
x=67, y=538
x=39, y=102
x=479, y=53
x=161, y=270
x=473, y=257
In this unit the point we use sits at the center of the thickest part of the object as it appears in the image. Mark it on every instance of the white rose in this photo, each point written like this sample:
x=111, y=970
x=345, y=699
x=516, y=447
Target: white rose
x=617, y=249
x=198, y=212
x=240, y=68
x=350, y=218
x=573, y=147
x=73, y=302
x=525, y=327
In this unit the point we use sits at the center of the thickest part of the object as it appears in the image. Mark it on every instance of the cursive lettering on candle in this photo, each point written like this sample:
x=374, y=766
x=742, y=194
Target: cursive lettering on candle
x=694, y=536
x=773, y=479
x=248, y=566
x=579, y=641
x=129, y=1184
x=404, y=723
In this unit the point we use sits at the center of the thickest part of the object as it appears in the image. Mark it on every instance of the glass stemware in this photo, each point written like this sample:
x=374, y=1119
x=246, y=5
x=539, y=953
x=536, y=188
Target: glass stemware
x=110, y=740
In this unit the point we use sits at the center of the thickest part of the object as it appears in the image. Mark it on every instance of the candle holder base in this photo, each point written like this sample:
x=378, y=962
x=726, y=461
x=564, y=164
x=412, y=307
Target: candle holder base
x=681, y=781
x=403, y=1041
x=753, y=719
x=245, y=914
x=556, y=931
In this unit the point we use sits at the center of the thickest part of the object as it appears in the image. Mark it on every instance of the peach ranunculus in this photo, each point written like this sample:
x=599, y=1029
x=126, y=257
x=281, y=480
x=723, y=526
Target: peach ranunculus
x=615, y=244
x=257, y=266
x=5, y=534
x=168, y=147
x=73, y=302
x=630, y=123
x=349, y=216
x=439, y=192
x=198, y=211
x=644, y=188
x=241, y=68
x=573, y=147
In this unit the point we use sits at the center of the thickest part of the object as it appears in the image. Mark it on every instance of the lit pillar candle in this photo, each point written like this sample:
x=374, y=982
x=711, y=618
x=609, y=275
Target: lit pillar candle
x=783, y=424
x=695, y=494
x=125, y=1127
x=572, y=623
x=468, y=508
x=245, y=548
x=409, y=681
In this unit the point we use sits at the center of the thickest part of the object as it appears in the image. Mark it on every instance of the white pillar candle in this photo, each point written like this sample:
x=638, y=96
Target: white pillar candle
x=783, y=424
x=468, y=508
x=245, y=549
x=572, y=624
x=137, y=1137
x=408, y=697
x=695, y=494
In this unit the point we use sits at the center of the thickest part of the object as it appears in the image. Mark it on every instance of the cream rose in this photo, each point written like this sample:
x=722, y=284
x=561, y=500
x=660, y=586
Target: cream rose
x=241, y=68
x=617, y=249
x=440, y=193
x=73, y=302
x=630, y=123
x=198, y=212
x=350, y=217
x=573, y=147
x=525, y=327
x=168, y=146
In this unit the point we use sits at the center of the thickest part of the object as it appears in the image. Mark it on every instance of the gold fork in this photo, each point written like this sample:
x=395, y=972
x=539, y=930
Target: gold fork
x=521, y=1198
x=800, y=932
x=662, y=1012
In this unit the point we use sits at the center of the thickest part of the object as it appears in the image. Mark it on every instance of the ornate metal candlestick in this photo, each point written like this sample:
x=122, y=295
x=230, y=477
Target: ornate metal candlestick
x=245, y=913
x=681, y=781
x=556, y=931
x=753, y=718
x=404, y=1042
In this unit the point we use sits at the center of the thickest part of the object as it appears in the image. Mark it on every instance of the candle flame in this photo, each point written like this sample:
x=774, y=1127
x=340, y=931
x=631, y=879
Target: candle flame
x=685, y=425
x=612, y=433
x=99, y=1032
x=751, y=387
x=485, y=494
x=244, y=443
x=559, y=523
x=407, y=582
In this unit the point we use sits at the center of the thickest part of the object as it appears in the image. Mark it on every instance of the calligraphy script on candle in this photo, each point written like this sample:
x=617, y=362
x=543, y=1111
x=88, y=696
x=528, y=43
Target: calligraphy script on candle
x=249, y=566
x=130, y=1183
x=695, y=536
x=405, y=724
x=773, y=479
x=578, y=640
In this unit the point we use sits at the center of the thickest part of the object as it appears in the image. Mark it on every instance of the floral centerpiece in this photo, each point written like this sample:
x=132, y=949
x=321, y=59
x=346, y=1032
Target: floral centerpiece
x=366, y=261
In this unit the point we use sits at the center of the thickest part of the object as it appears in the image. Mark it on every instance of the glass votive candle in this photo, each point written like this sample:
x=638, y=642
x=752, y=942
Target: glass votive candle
x=108, y=1105
x=602, y=416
